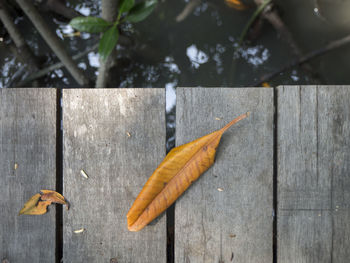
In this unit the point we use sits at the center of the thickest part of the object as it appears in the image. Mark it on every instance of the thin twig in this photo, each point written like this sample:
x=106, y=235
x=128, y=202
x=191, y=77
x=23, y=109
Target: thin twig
x=318, y=11
x=275, y=20
x=252, y=19
x=53, y=67
x=313, y=54
x=190, y=6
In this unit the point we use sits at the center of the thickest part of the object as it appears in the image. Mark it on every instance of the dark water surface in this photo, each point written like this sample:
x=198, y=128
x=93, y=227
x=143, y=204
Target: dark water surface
x=199, y=51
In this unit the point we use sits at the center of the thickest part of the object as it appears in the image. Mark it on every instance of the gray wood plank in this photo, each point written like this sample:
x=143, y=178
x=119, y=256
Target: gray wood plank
x=313, y=174
x=96, y=126
x=235, y=224
x=27, y=165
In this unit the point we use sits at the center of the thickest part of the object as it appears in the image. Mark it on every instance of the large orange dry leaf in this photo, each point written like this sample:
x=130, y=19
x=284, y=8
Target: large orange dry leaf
x=38, y=203
x=180, y=168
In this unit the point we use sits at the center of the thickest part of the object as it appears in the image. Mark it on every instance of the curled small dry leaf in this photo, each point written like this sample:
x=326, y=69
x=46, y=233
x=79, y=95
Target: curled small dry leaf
x=52, y=196
x=30, y=205
x=38, y=203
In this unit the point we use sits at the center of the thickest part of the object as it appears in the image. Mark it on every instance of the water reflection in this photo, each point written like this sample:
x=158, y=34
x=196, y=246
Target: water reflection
x=196, y=51
x=94, y=60
x=255, y=56
x=170, y=95
x=196, y=56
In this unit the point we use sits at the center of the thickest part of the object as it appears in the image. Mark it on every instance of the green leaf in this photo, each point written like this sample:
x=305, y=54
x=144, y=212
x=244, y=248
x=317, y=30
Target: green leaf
x=126, y=5
x=108, y=42
x=141, y=11
x=90, y=24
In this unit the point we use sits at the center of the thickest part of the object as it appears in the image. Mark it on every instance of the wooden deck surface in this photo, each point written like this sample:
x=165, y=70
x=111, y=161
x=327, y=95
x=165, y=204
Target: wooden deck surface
x=279, y=190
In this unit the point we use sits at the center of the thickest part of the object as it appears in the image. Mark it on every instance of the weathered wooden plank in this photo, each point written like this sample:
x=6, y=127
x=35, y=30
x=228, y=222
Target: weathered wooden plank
x=313, y=174
x=235, y=224
x=27, y=165
x=118, y=138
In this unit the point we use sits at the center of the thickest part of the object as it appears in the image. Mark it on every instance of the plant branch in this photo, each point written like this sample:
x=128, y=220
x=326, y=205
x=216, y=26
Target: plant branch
x=273, y=17
x=109, y=13
x=53, y=41
x=252, y=19
x=43, y=72
x=24, y=52
x=59, y=7
x=304, y=59
x=190, y=6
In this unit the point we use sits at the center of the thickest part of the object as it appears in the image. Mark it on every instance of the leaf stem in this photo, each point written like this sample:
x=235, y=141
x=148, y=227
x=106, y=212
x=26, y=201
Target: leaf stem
x=252, y=19
x=118, y=19
x=239, y=118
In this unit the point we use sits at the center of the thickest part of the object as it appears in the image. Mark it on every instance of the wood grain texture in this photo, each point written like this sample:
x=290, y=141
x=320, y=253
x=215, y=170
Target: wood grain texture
x=226, y=216
x=97, y=125
x=27, y=165
x=313, y=174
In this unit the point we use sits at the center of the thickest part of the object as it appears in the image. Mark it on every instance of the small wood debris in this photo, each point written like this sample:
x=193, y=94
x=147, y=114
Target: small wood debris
x=79, y=231
x=232, y=235
x=218, y=119
x=82, y=172
x=128, y=133
x=1, y=39
x=220, y=189
x=113, y=260
x=15, y=166
x=232, y=256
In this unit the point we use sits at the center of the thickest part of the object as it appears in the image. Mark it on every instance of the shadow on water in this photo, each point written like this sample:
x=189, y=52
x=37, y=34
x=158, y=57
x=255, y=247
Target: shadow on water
x=198, y=51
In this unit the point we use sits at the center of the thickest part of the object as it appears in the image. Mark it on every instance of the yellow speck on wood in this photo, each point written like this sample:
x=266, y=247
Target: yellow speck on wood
x=128, y=133
x=79, y=231
x=220, y=189
x=16, y=166
x=217, y=118
x=82, y=172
